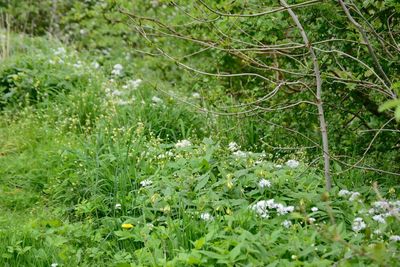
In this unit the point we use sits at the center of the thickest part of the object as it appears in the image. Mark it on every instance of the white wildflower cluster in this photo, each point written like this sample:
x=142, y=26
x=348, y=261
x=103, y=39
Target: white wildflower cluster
x=292, y=163
x=352, y=196
x=240, y=154
x=78, y=65
x=314, y=209
x=121, y=96
x=167, y=154
x=235, y=149
x=146, y=183
x=233, y=146
x=264, y=183
x=358, y=224
x=156, y=100
x=132, y=84
x=395, y=238
x=206, y=217
x=286, y=223
x=95, y=65
x=117, y=70
x=61, y=52
x=196, y=95
x=383, y=209
x=263, y=207
x=183, y=144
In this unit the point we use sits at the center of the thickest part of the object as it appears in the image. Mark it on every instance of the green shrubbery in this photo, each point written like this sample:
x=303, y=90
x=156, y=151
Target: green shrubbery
x=109, y=157
x=109, y=177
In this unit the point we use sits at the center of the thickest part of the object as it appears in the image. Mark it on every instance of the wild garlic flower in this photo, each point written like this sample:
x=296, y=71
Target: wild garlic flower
x=262, y=207
x=314, y=209
x=354, y=196
x=95, y=65
x=292, y=163
x=156, y=100
x=146, y=182
x=206, y=217
x=117, y=70
x=395, y=238
x=183, y=143
x=344, y=192
x=379, y=218
x=358, y=224
x=60, y=51
x=196, y=95
x=311, y=220
x=233, y=146
x=264, y=183
x=240, y=154
x=286, y=223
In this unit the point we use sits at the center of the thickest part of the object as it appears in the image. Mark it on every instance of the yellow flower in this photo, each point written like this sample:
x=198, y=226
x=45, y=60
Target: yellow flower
x=127, y=226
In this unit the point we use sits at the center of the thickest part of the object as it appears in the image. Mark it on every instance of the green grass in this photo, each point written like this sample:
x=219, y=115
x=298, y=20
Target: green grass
x=69, y=153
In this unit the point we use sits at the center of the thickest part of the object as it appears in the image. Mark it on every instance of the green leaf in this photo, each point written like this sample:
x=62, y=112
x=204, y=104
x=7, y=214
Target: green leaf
x=397, y=113
x=199, y=243
x=389, y=104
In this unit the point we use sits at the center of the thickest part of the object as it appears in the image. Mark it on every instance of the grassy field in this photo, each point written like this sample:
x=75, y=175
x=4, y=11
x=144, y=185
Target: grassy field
x=100, y=167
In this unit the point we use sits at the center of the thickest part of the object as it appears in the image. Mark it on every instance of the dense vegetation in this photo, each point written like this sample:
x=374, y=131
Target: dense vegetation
x=191, y=133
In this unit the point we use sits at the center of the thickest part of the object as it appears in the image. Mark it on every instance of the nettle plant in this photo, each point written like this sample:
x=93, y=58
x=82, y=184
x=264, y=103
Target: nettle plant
x=285, y=58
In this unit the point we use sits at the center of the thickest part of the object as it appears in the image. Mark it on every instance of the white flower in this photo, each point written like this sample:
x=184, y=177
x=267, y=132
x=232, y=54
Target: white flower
x=264, y=183
x=118, y=206
x=354, y=196
x=343, y=193
x=60, y=51
x=82, y=31
x=233, y=146
x=196, y=95
x=117, y=70
x=261, y=208
x=117, y=93
x=122, y=102
x=377, y=232
x=183, y=144
x=54, y=264
x=381, y=204
x=292, y=163
x=358, y=224
x=286, y=223
x=282, y=210
x=314, y=209
x=156, y=100
x=95, y=65
x=146, y=182
x=379, y=218
x=395, y=238
x=206, y=217
x=240, y=154
x=311, y=220
x=278, y=166
x=133, y=84
x=77, y=65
